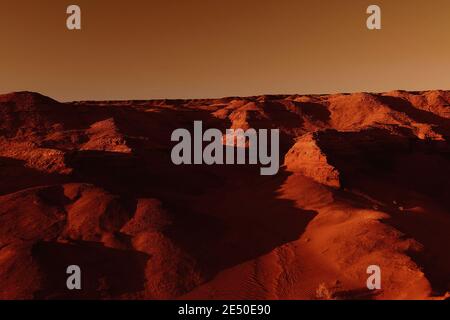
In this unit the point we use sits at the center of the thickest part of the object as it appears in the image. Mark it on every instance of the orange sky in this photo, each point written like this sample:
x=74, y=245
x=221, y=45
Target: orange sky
x=144, y=49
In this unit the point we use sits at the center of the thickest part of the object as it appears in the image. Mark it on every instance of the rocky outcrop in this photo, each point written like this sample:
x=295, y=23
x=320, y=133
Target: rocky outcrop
x=307, y=158
x=365, y=180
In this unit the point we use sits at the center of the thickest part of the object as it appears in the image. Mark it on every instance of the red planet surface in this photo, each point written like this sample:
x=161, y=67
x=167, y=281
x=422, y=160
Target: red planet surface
x=110, y=191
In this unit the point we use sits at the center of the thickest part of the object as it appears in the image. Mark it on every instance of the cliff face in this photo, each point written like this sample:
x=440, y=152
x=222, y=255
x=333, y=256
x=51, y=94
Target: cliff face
x=365, y=181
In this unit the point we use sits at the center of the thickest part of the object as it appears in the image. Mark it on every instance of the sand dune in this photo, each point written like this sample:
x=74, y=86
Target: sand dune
x=365, y=180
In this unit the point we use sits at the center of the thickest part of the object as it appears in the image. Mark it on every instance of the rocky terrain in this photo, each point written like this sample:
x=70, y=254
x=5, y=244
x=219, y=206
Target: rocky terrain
x=365, y=181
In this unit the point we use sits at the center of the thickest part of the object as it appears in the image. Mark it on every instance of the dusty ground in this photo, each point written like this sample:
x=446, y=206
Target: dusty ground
x=365, y=180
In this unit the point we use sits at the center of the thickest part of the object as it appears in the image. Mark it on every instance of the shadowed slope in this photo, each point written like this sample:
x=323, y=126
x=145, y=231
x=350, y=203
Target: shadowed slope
x=365, y=181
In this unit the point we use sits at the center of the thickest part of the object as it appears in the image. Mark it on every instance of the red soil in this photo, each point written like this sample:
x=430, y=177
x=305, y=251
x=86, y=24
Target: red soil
x=365, y=181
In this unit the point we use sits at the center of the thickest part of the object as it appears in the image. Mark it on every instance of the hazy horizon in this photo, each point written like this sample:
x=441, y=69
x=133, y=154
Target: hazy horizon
x=169, y=49
x=223, y=97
